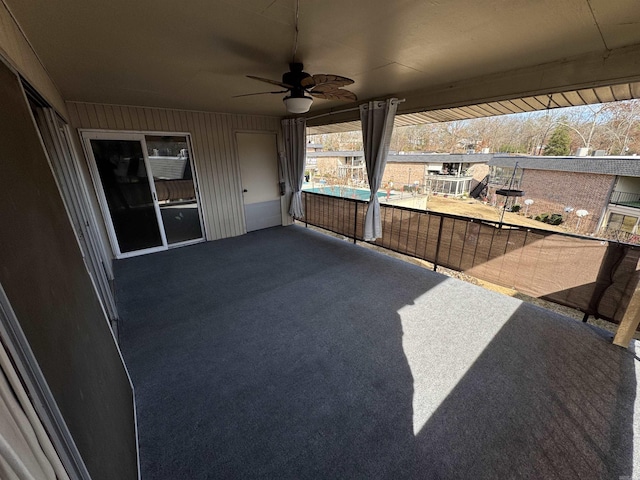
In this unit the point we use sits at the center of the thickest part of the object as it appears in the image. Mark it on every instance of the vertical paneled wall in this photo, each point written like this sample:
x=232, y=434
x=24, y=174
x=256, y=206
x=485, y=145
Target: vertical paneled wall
x=214, y=151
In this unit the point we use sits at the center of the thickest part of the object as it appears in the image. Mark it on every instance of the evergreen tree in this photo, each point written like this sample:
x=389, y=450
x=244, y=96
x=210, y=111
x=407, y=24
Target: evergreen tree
x=559, y=143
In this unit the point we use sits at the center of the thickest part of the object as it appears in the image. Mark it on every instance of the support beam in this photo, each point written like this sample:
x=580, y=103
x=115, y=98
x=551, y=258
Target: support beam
x=629, y=322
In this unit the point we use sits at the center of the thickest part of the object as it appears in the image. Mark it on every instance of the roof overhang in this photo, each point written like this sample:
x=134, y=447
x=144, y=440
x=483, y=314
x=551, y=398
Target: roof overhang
x=587, y=80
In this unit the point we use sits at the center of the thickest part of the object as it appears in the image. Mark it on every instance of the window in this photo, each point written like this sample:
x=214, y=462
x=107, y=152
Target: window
x=501, y=176
x=623, y=223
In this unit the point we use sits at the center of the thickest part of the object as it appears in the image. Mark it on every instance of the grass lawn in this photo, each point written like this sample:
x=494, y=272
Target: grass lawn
x=470, y=208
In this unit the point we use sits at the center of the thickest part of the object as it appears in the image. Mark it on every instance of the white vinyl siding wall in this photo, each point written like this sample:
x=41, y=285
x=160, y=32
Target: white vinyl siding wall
x=214, y=151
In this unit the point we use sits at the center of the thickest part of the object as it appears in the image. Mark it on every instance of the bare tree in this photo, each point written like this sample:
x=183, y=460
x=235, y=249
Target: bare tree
x=614, y=127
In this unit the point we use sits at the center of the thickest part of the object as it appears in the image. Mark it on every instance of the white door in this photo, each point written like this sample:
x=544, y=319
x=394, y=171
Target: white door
x=258, y=154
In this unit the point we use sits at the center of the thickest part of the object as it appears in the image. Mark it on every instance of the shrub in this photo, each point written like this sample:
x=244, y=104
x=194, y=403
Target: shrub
x=553, y=219
x=515, y=208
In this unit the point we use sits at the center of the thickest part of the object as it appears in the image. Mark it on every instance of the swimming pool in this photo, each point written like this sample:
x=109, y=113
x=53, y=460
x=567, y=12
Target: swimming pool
x=344, y=192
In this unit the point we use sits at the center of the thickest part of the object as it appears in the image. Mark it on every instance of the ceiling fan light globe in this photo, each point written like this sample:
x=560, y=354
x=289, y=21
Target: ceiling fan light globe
x=297, y=104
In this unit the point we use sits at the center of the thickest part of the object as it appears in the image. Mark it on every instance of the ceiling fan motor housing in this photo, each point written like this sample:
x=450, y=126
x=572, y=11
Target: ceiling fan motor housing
x=294, y=77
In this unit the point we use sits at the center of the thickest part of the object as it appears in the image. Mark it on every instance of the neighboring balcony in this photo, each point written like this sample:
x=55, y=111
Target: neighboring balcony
x=626, y=199
x=448, y=185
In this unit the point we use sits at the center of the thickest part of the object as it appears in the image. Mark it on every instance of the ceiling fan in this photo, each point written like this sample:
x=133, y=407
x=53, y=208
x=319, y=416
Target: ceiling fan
x=302, y=87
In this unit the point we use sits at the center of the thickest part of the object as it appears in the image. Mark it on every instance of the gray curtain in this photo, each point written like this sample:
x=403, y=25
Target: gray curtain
x=25, y=449
x=295, y=149
x=377, y=126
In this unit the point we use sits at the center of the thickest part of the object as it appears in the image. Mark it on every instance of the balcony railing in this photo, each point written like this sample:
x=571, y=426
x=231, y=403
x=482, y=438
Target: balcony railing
x=595, y=276
x=627, y=199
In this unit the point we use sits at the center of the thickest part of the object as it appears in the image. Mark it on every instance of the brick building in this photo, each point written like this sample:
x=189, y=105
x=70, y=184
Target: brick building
x=453, y=174
x=345, y=167
x=608, y=188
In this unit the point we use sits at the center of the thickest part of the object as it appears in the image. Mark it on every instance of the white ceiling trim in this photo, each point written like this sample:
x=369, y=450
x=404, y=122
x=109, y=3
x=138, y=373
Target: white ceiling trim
x=588, y=96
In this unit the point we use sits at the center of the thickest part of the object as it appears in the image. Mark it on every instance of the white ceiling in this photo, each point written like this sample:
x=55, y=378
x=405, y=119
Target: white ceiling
x=195, y=54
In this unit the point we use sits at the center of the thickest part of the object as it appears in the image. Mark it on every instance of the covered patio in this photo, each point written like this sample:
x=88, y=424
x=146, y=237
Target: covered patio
x=292, y=354
x=282, y=353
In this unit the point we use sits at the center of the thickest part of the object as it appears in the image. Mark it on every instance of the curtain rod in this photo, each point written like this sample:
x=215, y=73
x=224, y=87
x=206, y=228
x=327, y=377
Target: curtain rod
x=342, y=111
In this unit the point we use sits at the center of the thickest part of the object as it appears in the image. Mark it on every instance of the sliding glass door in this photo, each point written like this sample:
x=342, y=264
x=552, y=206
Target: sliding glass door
x=147, y=190
x=173, y=177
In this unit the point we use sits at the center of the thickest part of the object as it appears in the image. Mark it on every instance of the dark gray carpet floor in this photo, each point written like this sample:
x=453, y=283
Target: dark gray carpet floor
x=286, y=353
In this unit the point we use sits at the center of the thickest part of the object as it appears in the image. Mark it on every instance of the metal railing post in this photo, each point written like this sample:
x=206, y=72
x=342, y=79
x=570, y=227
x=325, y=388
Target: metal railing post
x=435, y=262
x=355, y=224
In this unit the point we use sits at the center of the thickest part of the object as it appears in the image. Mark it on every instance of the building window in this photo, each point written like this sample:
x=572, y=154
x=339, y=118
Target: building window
x=622, y=223
x=501, y=176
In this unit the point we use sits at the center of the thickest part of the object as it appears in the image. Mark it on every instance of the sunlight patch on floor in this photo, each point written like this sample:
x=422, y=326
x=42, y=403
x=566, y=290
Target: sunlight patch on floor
x=458, y=327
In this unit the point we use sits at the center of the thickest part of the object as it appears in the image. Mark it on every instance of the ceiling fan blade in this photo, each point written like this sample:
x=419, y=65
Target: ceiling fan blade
x=272, y=82
x=258, y=93
x=335, y=94
x=325, y=87
x=323, y=78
